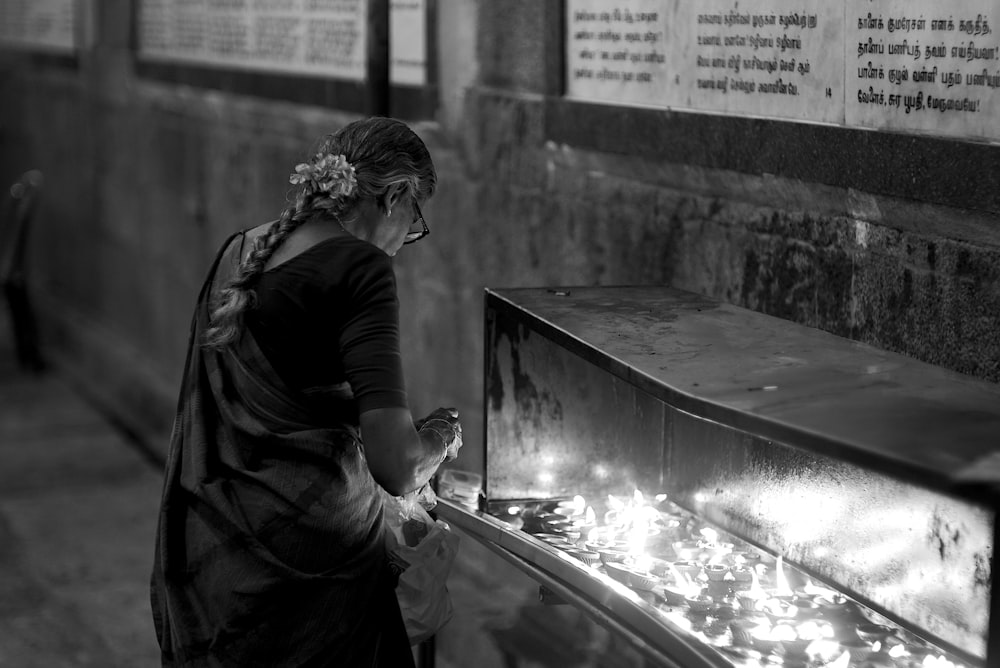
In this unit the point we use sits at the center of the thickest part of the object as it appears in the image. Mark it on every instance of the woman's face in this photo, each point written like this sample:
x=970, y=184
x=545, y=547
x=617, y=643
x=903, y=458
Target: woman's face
x=392, y=231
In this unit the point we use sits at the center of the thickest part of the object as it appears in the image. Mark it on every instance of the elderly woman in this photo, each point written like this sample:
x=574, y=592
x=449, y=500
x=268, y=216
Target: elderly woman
x=292, y=414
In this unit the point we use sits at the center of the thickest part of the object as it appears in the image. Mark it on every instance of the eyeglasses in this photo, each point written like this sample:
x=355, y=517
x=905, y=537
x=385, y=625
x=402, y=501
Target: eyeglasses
x=417, y=235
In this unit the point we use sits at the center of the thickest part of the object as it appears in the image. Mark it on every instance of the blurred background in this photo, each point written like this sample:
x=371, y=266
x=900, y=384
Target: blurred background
x=147, y=153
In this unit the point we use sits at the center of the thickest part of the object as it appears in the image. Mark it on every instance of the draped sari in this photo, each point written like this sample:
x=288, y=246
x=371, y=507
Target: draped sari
x=270, y=548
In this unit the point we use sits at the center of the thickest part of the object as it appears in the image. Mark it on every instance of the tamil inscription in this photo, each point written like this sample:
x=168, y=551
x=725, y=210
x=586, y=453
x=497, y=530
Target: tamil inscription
x=913, y=66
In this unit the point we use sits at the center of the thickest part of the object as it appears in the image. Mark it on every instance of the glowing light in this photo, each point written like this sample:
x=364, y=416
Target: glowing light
x=590, y=516
x=637, y=535
x=660, y=498
x=642, y=563
x=684, y=583
x=710, y=535
x=823, y=650
x=513, y=510
x=877, y=646
x=814, y=590
x=800, y=514
x=579, y=504
x=841, y=661
x=811, y=630
x=897, y=652
x=601, y=471
x=545, y=477
x=780, y=580
x=937, y=662
x=700, y=497
x=632, y=521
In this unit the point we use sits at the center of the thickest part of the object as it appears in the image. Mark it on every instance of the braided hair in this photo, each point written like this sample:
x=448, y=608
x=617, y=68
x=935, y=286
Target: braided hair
x=379, y=153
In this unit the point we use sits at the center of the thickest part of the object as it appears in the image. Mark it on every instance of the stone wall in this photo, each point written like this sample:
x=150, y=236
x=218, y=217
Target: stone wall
x=145, y=178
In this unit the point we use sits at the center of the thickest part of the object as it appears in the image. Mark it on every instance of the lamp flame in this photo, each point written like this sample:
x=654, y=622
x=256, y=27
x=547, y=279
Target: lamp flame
x=684, y=583
x=814, y=590
x=642, y=562
x=782, y=587
x=822, y=650
x=841, y=661
x=897, y=652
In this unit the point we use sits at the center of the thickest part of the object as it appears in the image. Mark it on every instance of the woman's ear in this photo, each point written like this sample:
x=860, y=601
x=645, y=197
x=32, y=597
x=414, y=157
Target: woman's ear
x=393, y=195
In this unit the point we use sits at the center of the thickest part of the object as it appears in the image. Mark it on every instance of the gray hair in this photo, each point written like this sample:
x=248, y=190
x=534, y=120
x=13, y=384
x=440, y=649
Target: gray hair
x=384, y=152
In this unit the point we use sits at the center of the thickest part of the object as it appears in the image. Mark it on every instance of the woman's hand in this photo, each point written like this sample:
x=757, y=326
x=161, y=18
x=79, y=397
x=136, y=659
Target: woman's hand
x=444, y=424
x=403, y=455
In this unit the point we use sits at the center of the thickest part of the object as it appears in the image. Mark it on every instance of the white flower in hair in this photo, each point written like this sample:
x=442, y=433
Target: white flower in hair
x=330, y=174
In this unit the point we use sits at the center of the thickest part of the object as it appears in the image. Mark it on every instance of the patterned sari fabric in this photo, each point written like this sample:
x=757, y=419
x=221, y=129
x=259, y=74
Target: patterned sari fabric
x=270, y=546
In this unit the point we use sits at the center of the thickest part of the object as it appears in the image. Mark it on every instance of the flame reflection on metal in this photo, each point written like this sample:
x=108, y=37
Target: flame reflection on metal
x=914, y=552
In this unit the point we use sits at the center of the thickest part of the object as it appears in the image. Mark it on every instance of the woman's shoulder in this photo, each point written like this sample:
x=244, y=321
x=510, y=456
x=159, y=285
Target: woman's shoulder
x=333, y=263
x=350, y=253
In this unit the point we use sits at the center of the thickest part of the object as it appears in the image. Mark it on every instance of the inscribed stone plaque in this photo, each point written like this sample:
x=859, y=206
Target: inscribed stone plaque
x=916, y=66
x=311, y=37
x=622, y=52
x=408, y=42
x=772, y=58
x=39, y=25
x=924, y=66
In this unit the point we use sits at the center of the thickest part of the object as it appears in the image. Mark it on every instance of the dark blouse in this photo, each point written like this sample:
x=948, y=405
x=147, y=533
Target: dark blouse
x=330, y=315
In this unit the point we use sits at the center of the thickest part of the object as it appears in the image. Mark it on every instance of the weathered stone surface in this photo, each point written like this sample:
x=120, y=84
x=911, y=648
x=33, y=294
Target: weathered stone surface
x=512, y=58
x=143, y=187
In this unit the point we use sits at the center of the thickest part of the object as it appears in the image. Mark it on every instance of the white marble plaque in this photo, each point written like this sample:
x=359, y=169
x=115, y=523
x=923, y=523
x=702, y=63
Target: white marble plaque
x=312, y=37
x=408, y=42
x=924, y=66
x=39, y=25
x=915, y=66
x=621, y=52
x=771, y=58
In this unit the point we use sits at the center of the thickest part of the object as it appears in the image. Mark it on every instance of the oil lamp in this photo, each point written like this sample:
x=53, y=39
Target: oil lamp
x=716, y=572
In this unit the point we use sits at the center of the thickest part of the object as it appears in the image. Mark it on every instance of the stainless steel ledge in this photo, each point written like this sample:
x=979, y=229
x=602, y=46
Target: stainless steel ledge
x=608, y=602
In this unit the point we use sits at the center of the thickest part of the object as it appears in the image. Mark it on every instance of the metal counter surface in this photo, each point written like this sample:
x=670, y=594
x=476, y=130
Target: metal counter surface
x=608, y=602
x=780, y=380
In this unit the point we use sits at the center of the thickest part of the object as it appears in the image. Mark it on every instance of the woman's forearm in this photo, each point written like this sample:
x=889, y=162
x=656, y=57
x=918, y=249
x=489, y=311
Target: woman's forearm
x=400, y=458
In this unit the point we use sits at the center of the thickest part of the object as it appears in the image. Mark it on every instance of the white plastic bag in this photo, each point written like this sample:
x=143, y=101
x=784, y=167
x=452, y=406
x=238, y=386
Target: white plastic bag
x=421, y=550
